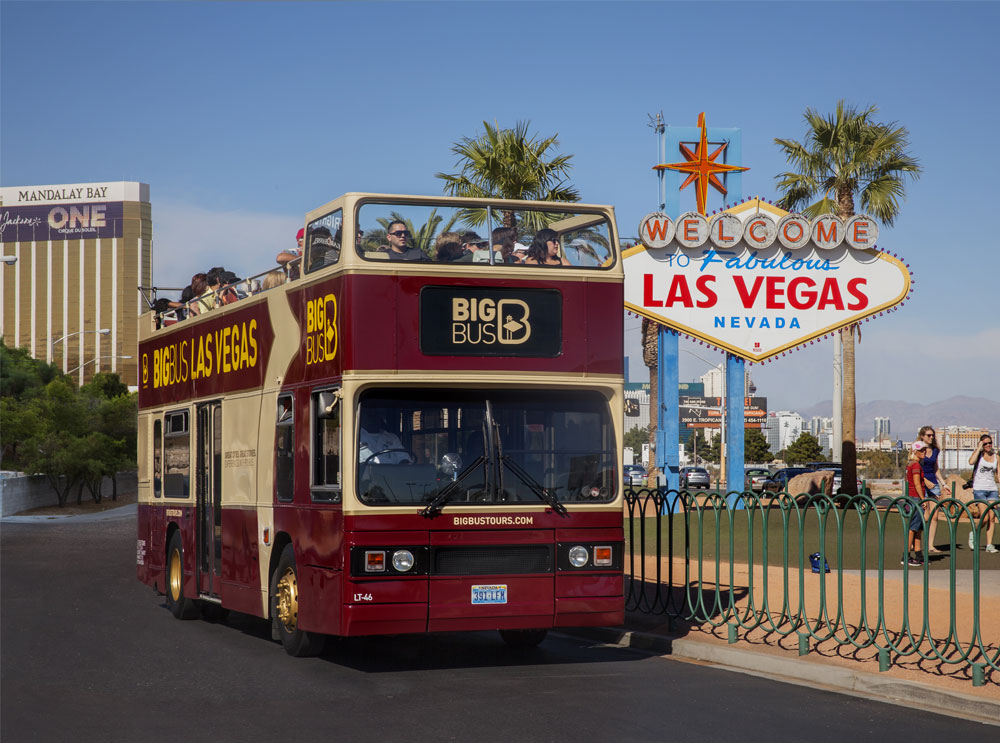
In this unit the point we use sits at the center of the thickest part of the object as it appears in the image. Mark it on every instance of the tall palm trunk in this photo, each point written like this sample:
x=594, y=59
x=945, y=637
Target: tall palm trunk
x=650, y=356
x=848, y=447
x=848, y=450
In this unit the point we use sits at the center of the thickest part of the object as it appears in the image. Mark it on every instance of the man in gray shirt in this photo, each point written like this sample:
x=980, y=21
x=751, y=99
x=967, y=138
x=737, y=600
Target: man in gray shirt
x=397, y=236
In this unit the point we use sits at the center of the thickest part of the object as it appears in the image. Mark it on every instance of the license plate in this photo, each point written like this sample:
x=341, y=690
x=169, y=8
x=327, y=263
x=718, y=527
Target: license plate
x=489, y=594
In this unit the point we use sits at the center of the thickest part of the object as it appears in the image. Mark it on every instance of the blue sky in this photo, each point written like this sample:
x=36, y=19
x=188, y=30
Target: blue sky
x=243, y=116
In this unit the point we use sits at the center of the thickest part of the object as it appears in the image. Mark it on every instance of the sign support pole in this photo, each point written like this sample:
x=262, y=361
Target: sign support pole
x=735, y=396
x=668, y=414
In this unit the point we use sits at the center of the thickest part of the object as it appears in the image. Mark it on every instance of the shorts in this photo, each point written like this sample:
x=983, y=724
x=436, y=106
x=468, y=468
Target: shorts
x=986, y=495
x=933, y=492
x=915, y=513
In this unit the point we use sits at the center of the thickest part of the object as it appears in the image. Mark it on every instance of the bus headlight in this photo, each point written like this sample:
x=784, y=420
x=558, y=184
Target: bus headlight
x=578, y=556
x=402, y=560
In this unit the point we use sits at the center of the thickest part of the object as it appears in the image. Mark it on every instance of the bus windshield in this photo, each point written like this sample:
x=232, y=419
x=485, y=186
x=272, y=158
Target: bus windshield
x=487, y=446
x=446, y=233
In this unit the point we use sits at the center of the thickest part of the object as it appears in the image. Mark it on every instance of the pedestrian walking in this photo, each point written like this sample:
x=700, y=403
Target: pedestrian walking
x=915, y=482
x=985, y=477
x=932, y=483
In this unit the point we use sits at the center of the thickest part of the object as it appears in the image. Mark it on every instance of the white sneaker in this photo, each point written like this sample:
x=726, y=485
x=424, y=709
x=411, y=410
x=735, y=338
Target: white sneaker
x=991, y=548
x=972, y=540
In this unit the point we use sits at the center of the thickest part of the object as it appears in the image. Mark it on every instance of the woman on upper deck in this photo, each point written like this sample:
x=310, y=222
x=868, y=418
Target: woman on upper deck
x=544, y=250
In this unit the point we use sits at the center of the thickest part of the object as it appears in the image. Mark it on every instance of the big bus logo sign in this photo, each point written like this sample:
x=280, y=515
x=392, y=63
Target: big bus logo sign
x=222, y=351
x=321, y=329
x=485, y=321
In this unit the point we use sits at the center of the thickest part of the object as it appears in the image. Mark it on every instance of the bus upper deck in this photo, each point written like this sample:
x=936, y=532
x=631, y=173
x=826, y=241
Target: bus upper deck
x=478, y=311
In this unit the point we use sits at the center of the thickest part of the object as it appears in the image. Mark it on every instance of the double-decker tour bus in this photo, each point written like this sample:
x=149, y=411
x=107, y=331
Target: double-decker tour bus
x=418, y=431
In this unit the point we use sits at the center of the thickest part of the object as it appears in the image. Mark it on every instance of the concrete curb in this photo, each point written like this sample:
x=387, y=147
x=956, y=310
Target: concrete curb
x=127, y=511
x=807, y=673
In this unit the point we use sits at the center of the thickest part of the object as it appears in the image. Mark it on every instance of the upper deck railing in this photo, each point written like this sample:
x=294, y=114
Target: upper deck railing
x=421, y=234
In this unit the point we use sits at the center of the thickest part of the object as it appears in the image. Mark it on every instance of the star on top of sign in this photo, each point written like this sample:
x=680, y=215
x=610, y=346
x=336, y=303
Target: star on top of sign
x=701, y=167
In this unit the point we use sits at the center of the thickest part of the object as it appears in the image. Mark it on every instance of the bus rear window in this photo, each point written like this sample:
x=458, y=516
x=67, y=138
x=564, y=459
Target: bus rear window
x=484, y=235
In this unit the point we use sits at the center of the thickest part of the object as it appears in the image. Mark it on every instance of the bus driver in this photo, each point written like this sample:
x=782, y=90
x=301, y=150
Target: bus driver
x=378, y=443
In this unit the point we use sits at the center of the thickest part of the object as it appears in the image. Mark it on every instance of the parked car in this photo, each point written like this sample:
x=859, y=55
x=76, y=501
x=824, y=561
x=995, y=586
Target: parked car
x=635, y=475
x=779, y=480
x=754, y=478
x=694, y=477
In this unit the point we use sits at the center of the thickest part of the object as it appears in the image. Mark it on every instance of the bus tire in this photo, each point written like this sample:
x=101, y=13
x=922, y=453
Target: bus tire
x=285, y=610
x=180, y=606
x=523, y=638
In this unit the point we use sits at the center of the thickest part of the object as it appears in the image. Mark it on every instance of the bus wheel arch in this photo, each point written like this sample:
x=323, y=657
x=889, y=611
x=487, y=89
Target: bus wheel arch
x=173, y=580
x=284, y=599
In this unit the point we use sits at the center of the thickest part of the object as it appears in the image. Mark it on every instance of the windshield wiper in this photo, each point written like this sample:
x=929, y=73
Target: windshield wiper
x=434, y=507
x=543, y=493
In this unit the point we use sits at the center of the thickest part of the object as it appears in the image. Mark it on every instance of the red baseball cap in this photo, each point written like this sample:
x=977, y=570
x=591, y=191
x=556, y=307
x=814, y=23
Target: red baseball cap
x=301, y=233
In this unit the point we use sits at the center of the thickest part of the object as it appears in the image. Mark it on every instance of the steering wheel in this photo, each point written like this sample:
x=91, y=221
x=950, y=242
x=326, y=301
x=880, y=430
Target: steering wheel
x=368, y=461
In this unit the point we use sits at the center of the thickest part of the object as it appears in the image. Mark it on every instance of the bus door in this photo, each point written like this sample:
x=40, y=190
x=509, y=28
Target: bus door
x=209, y=498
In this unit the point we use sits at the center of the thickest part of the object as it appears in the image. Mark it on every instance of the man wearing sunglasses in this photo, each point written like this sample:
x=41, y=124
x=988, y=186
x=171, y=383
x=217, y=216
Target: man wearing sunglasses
x=397, y=237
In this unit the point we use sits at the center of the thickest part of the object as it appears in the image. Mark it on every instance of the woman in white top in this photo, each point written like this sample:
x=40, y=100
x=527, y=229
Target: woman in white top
x=985, y=477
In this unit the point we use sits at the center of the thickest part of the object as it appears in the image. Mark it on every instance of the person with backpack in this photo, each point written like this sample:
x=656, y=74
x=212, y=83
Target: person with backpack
x=984, y=491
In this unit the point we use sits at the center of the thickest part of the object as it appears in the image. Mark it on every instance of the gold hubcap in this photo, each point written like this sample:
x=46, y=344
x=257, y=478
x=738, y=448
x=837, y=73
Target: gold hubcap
x=176, y=590
x=288, y=600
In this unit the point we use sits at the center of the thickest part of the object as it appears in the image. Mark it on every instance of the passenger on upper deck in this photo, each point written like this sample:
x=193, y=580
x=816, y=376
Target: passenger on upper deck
x=503, y=239
x=204, y=300
x=477, y=249
x=448, y=247
x=286, y=256
x=273, y=279
x=544, y=250
x=220, y=282
x=397, y=235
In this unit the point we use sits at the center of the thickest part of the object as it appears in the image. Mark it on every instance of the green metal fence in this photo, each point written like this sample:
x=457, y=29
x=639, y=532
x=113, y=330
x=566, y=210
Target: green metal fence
x=757, y=564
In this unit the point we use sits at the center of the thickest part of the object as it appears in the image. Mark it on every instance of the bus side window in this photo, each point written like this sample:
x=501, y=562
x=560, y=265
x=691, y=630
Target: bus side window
x=177, y=455
x=157, y=458
x=284, y=450
x=326, y=446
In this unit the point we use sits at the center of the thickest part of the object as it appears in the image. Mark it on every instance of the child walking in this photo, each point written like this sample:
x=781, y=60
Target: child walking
x=915, y=480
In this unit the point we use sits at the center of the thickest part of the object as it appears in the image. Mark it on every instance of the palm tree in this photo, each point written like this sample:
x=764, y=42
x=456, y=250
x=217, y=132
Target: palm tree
x=846, y=155
x=508, y=164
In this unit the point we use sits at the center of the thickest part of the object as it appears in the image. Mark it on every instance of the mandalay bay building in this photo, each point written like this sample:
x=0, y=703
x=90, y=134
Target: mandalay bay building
x=74, y=257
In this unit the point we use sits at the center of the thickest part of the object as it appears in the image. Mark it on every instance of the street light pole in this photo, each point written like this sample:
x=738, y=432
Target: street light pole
x=94, y=360
x=52, y=344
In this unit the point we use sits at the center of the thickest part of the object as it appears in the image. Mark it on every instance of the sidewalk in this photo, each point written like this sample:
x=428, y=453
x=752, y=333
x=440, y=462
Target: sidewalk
x=835, y=663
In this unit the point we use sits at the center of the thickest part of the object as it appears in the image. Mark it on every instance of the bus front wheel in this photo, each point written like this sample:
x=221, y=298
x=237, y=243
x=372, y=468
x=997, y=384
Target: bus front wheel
x=180, y=607
x=523, y=638
x=285, y=610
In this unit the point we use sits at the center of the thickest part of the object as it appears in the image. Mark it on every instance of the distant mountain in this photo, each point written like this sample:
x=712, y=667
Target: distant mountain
x=906, y=418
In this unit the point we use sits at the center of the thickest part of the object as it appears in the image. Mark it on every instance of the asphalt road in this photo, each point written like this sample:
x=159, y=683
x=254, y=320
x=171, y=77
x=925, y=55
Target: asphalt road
x=89, y=654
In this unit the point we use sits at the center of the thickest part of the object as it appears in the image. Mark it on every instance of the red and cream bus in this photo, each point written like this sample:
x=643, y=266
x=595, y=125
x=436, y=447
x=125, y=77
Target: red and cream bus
x=393, y=443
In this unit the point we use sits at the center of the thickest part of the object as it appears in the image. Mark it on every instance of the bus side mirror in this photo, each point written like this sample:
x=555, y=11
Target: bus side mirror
x=327, y=402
